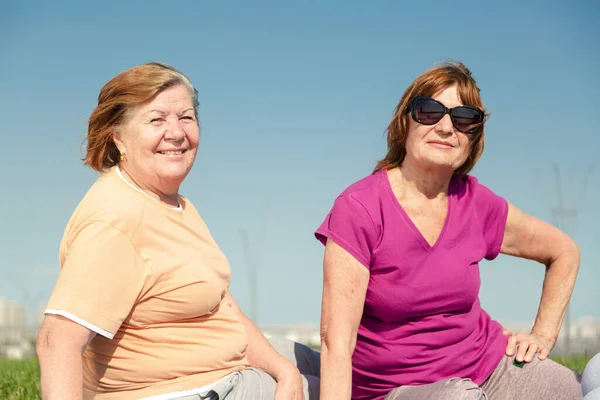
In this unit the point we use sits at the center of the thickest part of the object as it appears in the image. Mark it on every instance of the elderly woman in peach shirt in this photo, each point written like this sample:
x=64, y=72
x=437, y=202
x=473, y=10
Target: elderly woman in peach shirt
x=141, y=308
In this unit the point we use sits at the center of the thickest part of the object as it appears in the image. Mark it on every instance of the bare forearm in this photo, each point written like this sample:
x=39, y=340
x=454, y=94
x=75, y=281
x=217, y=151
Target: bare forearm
x=61, y=374
x=558, y=285
x=336, y=374
x=59, y=346
x=262, y=355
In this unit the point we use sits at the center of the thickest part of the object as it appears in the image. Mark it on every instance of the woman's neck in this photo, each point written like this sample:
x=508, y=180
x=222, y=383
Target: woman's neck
x=430, y=183
x=171, y=198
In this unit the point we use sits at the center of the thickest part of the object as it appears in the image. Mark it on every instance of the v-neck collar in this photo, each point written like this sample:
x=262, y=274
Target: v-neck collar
x=418, y=235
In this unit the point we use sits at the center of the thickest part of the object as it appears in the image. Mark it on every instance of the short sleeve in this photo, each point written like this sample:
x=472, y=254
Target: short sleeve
x=350, y=226
x=492, y=211
x=101, y=277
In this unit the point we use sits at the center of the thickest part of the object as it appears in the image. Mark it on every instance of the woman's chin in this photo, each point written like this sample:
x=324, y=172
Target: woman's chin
x=174, y=174
x=442, y=164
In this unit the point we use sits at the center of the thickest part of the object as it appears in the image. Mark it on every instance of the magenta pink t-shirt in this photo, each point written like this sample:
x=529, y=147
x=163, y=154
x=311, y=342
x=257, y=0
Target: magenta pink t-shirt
x=422, y=321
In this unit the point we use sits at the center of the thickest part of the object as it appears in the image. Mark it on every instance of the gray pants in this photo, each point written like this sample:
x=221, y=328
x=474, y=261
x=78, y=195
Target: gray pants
x=537, y=380
x=254, y=384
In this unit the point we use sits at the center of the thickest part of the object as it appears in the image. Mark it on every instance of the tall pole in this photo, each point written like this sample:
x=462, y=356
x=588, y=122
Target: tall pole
x=251, y=275
x=561, y=216
x=254, y=259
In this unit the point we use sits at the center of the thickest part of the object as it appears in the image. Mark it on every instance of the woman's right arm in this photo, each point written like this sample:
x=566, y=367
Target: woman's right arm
x=59, y=347
x=345, y=282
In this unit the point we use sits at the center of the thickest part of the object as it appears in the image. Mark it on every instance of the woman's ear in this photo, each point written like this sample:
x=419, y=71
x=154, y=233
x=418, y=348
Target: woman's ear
x=117, y=137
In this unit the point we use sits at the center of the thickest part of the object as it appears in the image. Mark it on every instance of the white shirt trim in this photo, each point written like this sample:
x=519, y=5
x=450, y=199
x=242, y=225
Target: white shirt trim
x=200, y=390
x=140, y=190
x=81, y=322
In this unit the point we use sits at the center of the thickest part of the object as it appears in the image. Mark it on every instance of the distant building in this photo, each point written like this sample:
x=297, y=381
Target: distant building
x=13, y=321
x=305, y=334
x=585, y=335
x=19, y=351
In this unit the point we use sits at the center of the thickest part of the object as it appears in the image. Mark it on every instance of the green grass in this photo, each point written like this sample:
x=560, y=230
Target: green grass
x=574, y=363
x=20, y=380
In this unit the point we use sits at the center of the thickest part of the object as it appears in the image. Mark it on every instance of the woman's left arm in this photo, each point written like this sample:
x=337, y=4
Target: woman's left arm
x=263, y=356
x=528, y=237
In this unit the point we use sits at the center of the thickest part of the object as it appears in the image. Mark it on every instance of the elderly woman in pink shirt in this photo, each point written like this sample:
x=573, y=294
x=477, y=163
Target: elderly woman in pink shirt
x=401, y=316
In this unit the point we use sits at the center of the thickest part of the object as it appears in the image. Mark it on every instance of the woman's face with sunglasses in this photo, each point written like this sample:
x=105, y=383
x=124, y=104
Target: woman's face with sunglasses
x=439, y=130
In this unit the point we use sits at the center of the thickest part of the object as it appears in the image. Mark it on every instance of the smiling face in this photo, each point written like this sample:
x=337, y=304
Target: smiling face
x=160, y=141
x=438, y=146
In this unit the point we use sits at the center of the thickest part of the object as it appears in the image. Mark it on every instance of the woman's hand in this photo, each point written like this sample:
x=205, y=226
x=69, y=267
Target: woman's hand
x=289, y=385
x=506, y=332
x=527, y=345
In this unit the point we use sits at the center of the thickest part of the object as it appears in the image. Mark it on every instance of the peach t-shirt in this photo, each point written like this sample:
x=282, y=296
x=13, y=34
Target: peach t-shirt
x=150, y=280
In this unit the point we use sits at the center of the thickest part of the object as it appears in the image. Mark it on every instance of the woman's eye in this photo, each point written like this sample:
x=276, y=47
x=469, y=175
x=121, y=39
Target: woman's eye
x=189, y=118
x=156, y=120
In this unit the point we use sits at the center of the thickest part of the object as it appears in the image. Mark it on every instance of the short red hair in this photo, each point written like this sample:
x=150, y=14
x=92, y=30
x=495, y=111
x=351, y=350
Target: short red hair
x=428, y=84
x=116, y=102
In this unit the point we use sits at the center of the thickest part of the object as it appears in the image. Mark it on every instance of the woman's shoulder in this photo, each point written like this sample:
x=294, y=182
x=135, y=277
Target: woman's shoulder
x=364, y=198
x=462, y=182
x=108, y=201
x=470, y=185
x=366, y=189
x=471, y=193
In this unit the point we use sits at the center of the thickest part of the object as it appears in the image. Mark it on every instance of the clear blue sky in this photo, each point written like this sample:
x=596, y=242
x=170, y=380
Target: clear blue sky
x=295, y=97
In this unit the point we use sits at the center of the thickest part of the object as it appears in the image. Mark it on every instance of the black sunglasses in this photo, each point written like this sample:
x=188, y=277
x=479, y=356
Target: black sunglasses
x=428, y=111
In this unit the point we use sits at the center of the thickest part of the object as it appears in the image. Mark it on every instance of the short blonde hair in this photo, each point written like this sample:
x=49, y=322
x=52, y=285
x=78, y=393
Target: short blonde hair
x=428, y=84
x=116, y=102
